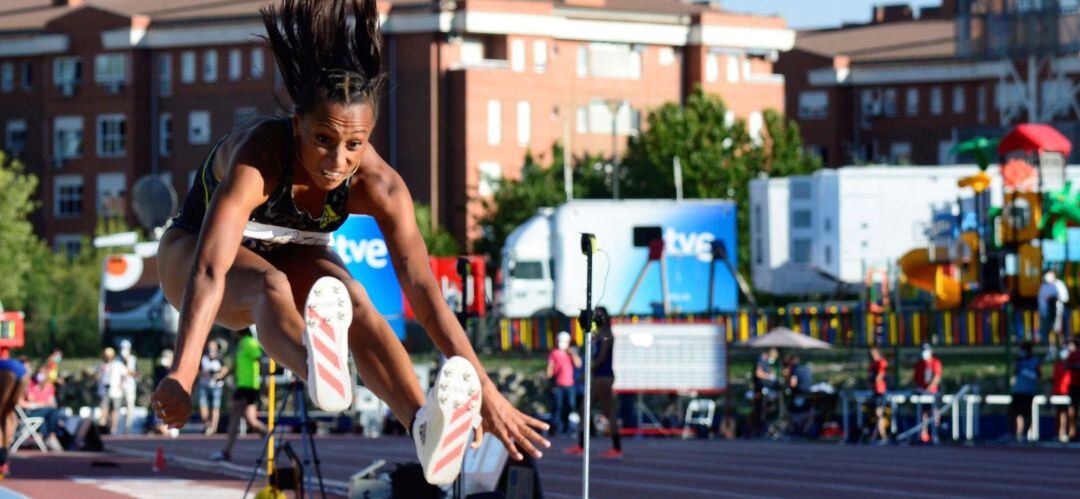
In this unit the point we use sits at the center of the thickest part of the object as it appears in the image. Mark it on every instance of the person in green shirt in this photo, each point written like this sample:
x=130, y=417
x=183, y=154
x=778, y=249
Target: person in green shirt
x=245, y=401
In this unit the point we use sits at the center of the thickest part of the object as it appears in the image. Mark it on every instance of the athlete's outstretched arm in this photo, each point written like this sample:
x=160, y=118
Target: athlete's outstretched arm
x=219, y=240
x=393, y=211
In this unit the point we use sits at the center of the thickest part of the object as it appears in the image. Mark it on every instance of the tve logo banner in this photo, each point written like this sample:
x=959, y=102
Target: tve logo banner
x=362, y=247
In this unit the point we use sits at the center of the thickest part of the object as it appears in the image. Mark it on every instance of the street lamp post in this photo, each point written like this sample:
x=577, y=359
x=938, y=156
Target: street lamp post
x=614, y=105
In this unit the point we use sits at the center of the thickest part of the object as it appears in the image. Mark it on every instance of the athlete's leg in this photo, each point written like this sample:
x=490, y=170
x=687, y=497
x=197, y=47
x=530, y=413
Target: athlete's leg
x=380, y=358
x=255, y=293
x=8, y=384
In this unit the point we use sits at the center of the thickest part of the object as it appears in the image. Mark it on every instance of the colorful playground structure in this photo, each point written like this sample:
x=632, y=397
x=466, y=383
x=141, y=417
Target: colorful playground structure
x=981, y=256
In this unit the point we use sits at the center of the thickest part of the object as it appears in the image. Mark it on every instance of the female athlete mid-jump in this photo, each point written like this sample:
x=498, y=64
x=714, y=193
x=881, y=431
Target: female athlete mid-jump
x=250, y=246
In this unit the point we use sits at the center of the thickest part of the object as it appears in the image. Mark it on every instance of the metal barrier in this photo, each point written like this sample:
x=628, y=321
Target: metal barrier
x=963, y=407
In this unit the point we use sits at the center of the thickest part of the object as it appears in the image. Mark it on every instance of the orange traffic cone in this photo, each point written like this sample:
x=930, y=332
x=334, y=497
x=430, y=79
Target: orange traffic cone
x=159, y=460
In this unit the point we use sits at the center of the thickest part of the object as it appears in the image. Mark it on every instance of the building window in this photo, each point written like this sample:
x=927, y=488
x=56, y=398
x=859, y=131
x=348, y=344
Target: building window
x=800, y=189
x=242, y=114
x=199, y=127
x=165, y=75
x=67, y=137
x=111, y=188
x=524, y=123
x=813, y=104
x=666, y=56
x=712, y=68
x=209, y=66
x=614, y=60
x=801, y=219
x=494, y=122
x=165, y=134
x=826, y=224
x=889, y=107
x=27, y=76
x=582, y=120
x=959, y=100
x=67, y=73
x=236, y=64
x=68, y=244
x=111, y=131
x=257, y=69
x=980, y=103
x=187, y=66
x=754, y=125
x=110, y=70
x=600, y=119
x=900, y=153
x=945, y=155
x=517, y=55
x=15, y=136
x=582, y=61
x=800, y=251
x=68, y=194
x=490, y=174
x=912, y=101
x=540, y=56
x=759, y=251
x=7, y=77
x=732, y=67
x=828, y=255
x=937, y=104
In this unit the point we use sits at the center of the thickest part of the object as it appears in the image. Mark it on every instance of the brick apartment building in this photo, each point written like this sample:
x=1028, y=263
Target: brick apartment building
x=905, y=88
x=95, y=94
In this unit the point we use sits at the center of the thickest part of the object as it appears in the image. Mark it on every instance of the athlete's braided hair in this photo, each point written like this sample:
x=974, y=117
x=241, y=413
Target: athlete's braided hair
x=327, y=50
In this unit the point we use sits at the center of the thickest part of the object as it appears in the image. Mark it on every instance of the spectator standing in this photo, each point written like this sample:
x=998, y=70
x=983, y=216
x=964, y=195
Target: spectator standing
x=876, y=379
x=245, y=401
x=927, y=374
x=1062, y=378
x=1059, y=311
x=110, y=378
x=1072, y=363
x=560, y=371
x=1025, y=387
x=799, y=380
x=39, y=401
x=1048, y=305
x=211, y=383
x=603, y=382
x=129, y=383
x=764, y=378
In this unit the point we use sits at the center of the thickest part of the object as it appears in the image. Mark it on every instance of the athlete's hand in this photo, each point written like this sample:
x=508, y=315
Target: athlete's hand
x=171, y=402
x=513, y=428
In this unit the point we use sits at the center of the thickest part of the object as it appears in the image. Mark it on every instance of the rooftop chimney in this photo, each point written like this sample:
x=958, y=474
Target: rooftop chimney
x=891, y=13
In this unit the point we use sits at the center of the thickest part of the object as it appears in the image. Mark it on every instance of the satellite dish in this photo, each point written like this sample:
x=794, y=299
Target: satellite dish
x=153, y=200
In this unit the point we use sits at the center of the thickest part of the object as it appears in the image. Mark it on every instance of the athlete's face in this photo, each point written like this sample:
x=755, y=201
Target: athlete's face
x=332, y=139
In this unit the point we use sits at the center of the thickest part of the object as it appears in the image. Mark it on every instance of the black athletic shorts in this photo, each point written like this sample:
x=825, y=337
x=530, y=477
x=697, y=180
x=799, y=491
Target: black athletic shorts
x=247, y=395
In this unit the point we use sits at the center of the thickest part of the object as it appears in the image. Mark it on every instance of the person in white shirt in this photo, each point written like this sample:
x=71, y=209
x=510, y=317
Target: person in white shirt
x=211, y=383
x=110, y=376
x=129, y=382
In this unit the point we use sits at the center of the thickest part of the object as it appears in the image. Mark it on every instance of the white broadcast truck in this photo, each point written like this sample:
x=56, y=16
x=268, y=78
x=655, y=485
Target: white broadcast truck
x=544, y=270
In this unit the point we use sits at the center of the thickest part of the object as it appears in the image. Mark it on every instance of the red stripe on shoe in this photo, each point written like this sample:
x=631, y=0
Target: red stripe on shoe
x=326, y=351
x=463, y=409
x=449, y=457
x=454, y=435
x=323, y=325
x=328, y=378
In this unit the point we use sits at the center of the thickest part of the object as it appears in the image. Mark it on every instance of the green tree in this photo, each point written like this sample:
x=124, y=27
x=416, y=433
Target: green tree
x=439, y=241
x=18, y=243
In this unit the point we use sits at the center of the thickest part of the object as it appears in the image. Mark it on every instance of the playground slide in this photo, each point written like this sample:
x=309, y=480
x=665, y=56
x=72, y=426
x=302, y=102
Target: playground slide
x=930, y=277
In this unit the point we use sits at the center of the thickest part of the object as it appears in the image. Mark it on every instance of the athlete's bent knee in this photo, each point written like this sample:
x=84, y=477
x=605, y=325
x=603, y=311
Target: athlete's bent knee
x=274, y=283
x=360, y=302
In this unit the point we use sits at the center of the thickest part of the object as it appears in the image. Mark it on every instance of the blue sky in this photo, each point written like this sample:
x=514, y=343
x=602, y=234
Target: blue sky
x=817, y=13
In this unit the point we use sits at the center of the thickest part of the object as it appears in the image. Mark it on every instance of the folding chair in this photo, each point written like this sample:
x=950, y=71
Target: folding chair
x=699, y=412
x=28, y=428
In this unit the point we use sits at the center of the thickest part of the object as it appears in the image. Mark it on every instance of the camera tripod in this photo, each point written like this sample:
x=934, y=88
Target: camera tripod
x=309, y=456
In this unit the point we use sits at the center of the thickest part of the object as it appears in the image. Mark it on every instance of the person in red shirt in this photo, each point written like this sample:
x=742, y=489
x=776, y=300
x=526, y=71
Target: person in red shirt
x=1060, y=386
x=1072, y=364
x=560, y=370
x=928, y=380
x=876, y=378
x=39, y=400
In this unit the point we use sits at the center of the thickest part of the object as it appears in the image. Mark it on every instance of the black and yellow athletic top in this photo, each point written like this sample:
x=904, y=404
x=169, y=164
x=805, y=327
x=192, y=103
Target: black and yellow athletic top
x=278, y=220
